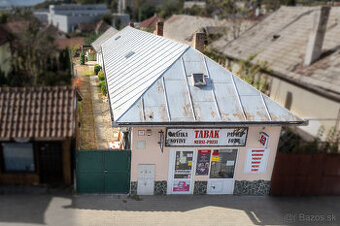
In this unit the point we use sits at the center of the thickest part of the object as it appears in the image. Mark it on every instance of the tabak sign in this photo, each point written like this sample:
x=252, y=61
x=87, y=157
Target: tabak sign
x=206, y=137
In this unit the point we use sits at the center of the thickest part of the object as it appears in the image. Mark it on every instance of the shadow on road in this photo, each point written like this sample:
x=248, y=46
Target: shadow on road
x=32, y=208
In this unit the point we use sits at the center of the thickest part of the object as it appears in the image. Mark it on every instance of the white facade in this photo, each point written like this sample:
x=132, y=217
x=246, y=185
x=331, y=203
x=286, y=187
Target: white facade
x=66, y=17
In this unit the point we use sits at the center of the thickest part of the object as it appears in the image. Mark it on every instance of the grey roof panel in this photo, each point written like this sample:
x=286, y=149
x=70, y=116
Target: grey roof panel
x=155, y=85
x=101, y=39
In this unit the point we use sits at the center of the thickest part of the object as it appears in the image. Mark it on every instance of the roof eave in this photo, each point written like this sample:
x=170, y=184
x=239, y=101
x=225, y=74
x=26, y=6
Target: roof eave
x=315, y=89
x=209, y=124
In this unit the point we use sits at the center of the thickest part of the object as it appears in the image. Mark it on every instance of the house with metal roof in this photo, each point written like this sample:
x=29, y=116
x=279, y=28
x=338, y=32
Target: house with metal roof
x=100, y=40
x=301, y=48
x=192, y=126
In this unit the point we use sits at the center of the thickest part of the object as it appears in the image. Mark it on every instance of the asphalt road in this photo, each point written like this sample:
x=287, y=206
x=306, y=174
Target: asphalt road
x=64, y=209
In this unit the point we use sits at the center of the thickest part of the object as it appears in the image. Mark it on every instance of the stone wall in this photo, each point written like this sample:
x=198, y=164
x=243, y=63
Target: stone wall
x=200, y=187
x=257, y=187
x=160, y=187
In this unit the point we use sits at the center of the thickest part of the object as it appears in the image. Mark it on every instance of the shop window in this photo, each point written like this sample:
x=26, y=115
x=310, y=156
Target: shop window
x=223, y=163
x=18, y=157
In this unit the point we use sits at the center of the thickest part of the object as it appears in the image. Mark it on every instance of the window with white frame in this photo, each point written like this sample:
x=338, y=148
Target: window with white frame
x=18, y=157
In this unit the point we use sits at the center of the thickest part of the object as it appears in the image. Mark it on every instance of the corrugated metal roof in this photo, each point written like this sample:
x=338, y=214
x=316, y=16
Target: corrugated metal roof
x=155, y=85
x=281, y=40
x=104, y=37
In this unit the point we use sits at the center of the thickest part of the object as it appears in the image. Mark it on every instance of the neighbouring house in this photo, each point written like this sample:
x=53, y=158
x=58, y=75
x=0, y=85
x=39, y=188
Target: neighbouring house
x=192, y=126
x=100, y=40
x=37, y=135
x=63, y=43
x=181, y=28
x=101, y=27
x=67, y=16
x=150, y=23
x=86, y=27
x=301, y=48
x=5, y=51
x=42, y=15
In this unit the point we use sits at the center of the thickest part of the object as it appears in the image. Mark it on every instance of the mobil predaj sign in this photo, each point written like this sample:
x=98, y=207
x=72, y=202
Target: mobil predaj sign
x=209, y=137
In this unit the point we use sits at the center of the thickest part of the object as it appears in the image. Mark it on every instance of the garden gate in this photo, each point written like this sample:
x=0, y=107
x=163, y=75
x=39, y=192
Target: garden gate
x=103, y=171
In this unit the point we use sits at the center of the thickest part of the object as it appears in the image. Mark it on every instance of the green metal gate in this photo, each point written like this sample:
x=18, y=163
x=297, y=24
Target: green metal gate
x=102, y=171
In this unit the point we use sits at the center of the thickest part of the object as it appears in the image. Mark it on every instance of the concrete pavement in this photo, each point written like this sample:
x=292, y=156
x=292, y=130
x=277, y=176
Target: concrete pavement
x=45, y=209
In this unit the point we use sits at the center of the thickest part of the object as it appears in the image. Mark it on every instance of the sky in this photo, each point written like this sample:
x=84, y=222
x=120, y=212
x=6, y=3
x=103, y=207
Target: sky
x=19, y=2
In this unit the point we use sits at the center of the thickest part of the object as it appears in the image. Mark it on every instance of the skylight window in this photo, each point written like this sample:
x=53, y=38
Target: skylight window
x=129, y=54
x=199, y=79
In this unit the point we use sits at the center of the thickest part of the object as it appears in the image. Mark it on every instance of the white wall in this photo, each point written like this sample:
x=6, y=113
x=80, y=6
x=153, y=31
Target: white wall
x=152, y=154
x=318, y=110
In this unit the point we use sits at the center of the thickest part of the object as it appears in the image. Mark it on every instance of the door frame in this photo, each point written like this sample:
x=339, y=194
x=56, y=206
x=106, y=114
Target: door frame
x=223, y=179
x=153, y=180
x=172, y=158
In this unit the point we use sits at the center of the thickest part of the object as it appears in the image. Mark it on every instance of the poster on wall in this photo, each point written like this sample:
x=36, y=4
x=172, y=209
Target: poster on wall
x=181, y=186
x=206, y=137
x=203, y=162
x=256, y=161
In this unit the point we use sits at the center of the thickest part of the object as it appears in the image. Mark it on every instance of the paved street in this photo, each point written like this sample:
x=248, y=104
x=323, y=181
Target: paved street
x=43, y=209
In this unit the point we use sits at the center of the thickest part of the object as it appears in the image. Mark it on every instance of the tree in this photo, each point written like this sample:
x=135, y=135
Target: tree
x=35, y=57
x=170, y=7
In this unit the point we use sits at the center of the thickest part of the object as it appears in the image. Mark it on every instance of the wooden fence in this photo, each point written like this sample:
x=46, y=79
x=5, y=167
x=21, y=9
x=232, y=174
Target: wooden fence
x=306, y=174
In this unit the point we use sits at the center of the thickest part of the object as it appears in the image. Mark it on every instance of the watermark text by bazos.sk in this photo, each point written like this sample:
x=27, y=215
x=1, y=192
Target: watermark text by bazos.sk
x=309, y=218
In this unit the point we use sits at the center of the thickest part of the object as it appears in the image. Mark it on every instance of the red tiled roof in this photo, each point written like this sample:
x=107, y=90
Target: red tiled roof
x=63, y=43
x=42, y=113
x=3, y=35
x=150, y=22
x=17, y=27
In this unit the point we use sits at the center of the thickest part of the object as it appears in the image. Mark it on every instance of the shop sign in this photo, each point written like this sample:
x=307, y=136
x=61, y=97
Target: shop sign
x=206, y=137
x=256, y=161
x=264, y=139
x=203, y=162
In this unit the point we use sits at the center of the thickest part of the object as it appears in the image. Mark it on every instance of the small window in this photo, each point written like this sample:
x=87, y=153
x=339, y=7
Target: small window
x=118, y=37
x=129, y=54
x=18, y=157
x=199, y=79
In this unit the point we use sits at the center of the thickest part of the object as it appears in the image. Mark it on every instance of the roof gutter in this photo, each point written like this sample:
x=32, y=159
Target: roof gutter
x=210, y=124
x=322, y=92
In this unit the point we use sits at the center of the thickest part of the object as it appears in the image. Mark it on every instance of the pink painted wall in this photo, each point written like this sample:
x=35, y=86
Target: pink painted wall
x=152, y=154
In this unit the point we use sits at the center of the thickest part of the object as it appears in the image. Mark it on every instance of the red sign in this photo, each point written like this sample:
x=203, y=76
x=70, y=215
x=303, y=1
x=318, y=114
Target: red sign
x=264, y=139
x=256, y=157
x=181, y=186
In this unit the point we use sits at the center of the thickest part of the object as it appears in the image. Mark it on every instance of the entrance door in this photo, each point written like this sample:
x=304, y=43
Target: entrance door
x=50, y=163
x=181, y=172
x=146, y=177
x=221, y=179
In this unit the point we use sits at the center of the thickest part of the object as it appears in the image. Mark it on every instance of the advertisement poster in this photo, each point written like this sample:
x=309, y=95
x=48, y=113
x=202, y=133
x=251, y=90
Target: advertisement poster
x=208, y=137
x=203, y=162
x=181, y=186
x=256, y=161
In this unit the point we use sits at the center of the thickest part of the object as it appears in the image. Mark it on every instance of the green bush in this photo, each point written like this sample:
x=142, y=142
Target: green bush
x=82, y=58
x=103, y=87
x=97, y=68
x=101, y=75
x=91, y=57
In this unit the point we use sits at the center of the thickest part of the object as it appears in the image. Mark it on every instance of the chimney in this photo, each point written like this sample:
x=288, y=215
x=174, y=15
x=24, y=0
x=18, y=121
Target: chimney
x=159, y=28
x=198, y=41
x=314, y=46
x=132, y=24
